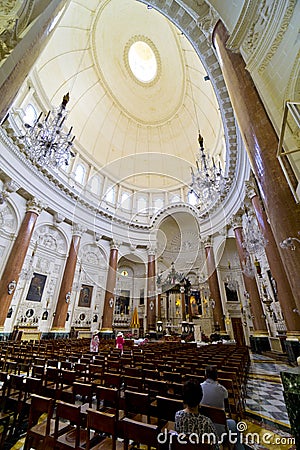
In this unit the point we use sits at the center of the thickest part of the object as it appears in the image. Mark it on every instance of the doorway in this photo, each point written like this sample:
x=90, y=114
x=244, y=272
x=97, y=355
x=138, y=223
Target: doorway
x=238, y=331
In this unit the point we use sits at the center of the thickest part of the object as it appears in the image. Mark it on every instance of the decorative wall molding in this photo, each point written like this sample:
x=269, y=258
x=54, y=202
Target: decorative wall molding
x=50, y=238
x=8, y=220
x=265, y=32
x=283, y=28
x=238, y=34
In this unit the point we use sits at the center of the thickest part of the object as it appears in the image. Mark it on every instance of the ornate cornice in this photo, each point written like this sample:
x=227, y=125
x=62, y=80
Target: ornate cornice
x=61, y=187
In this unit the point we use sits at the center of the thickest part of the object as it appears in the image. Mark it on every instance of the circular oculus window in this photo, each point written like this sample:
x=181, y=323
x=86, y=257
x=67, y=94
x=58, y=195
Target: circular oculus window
x=142, y=61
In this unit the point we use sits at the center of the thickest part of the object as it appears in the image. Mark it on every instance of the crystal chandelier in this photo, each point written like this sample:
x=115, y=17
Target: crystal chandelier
x=208, y=182
x=254, y=240
x=231, y=283
x=46, y=144
x=171, y=279
x=248, y=268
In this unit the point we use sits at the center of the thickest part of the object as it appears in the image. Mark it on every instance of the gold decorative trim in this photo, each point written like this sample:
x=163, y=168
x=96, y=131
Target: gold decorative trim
x=260, y=334
x=293, y=336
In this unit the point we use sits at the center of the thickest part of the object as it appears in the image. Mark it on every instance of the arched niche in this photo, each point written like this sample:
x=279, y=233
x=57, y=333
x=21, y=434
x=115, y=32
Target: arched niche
x=51, y=239
x=131, y=277
x=178, y=241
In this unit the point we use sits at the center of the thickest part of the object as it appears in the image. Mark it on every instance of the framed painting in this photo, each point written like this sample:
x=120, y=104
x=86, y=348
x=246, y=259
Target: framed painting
x=36, y=288
x=85, y=297
x=231, y=294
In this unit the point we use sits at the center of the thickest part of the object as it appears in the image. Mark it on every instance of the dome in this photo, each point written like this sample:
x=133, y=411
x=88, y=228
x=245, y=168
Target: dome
x=132, y=117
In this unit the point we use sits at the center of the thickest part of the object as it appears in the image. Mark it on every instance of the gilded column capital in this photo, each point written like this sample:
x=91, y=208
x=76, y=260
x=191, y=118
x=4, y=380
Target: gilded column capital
x=207, y=241
x=250, y=189
x=78, y=229
x=237, y=220
x=115, y=245
x=34, y=205
x=151, y=251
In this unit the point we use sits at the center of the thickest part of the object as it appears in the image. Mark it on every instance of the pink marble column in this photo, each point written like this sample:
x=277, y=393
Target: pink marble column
x=218, y=315
x=109, y=299
x=16, y=257
x=261, y=142
x=284, y=292
x=151, y=292
x=65, y=292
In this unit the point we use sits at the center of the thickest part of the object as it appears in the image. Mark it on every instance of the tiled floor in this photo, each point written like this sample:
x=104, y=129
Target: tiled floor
x=266, y=398
x=265, y=407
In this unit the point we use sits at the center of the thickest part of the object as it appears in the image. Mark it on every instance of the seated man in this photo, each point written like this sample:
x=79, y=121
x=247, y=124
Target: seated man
x=215, y=395
x=189, y=420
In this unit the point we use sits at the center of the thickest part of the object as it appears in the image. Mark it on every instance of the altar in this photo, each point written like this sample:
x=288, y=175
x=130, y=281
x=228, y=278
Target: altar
x=29, y=333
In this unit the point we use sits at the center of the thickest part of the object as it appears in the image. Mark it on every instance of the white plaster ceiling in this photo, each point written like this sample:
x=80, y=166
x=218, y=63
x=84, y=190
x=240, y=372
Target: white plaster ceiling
x=153, y=126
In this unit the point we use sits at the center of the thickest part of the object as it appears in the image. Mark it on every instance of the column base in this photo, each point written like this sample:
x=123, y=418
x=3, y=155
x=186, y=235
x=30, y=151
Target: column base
x=260, y=344
x=292, y=347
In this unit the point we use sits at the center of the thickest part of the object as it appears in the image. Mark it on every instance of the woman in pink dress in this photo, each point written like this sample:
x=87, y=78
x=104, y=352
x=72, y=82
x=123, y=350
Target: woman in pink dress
x=94, y=347
x=120, y=341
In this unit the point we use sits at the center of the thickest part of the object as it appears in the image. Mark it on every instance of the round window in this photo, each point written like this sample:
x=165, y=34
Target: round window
x=142, y=61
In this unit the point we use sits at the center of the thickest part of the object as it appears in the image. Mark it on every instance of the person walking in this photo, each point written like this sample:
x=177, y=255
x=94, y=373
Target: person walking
x=120, y=341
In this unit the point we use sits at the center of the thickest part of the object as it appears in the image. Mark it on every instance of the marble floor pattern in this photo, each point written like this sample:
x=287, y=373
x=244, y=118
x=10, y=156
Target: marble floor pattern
x=266, y=421
x=265, y=407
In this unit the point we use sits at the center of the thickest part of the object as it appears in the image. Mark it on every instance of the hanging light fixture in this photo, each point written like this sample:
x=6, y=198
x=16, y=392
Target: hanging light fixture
x=254, y=240
x=231, y=283
x=171, y=279
x=45, y=142
x=208, y=181
x=248, y=268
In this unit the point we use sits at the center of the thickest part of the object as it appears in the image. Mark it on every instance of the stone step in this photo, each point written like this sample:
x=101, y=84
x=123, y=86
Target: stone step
x=282, y=357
